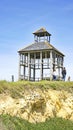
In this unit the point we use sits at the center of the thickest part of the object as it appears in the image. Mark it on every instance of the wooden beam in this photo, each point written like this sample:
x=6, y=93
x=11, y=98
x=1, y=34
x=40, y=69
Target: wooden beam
x=28, y=66
x=19, y=67
x=41, y=68
x=51, y=65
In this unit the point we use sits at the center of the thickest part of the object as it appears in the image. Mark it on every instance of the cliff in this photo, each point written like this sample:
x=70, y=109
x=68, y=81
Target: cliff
x=37, y=102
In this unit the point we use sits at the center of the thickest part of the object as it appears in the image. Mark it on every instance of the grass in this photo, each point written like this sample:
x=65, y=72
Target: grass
x=14, y=123
x=16, y=89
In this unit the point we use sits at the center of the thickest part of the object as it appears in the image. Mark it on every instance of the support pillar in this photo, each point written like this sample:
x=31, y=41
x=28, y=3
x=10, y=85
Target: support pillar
x=41, y=69
x=34, y=73
x=24, y=65
x=59, y=71
x=28, y=66
x=51, y=65
x=34, y=67
x=19, y=73
x=62, y=61
x=49, y=39
x=24, y=71
x=59, y=66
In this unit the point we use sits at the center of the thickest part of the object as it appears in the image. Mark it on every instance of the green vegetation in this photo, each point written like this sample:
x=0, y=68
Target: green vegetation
x=13, y=123
x=16, y=89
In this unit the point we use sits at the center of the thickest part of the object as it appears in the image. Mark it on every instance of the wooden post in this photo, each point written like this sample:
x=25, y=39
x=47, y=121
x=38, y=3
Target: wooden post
x=49, y=39
x=62, y=64
x=34, y=66
x=62, y=61
x=59, y=71
x=59, y=66
x=19, y=73
x=22, y=59
x=28, y=66
x=12, y=78
x=41, y=69
x=24, y=66
x=51, y=65
x=24, y=71
x=34, y=72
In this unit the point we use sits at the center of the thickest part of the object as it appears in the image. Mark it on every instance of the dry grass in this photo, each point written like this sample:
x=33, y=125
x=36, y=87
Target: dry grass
x=16, y=89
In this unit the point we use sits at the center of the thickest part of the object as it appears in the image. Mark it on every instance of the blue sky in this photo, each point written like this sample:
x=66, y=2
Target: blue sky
x=20, y=18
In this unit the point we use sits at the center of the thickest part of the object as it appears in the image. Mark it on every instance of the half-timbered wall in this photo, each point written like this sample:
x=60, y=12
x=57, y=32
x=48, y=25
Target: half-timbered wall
x=39, y=65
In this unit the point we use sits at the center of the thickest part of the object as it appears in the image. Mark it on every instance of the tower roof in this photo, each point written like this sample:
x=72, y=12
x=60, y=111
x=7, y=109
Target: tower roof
x=39, y=47
x=42, y=31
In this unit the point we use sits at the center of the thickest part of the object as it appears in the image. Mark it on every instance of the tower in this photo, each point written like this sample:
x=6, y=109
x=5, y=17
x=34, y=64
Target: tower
x=41, y=35
x=38, y=60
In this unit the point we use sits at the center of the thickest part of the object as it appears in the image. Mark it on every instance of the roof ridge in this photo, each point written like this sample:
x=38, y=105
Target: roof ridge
x=39, y=30
x=47, y=43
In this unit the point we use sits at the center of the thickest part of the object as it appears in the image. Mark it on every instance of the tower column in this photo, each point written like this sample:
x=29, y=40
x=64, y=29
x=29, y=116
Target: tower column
x=51, y=65
x=28, y=66
x=49, y=39
x=34, y=67
x=19, y=73
x=59, y=66
x=41, y=68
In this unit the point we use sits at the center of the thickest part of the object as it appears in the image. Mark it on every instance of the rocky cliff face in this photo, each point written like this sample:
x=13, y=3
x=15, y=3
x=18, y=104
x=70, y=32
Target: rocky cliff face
x=38, y=105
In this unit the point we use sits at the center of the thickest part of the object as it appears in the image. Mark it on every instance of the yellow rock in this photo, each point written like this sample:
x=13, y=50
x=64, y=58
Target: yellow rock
x=38, y=105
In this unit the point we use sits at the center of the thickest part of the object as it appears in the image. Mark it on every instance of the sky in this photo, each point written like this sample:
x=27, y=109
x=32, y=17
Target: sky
x=20, y=18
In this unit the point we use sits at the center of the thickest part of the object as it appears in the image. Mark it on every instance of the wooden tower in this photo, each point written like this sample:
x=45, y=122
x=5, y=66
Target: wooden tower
x=38, y=60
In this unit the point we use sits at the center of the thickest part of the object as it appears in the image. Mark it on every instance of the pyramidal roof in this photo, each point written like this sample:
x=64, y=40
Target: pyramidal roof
x=41, y=30
x=39, y=46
